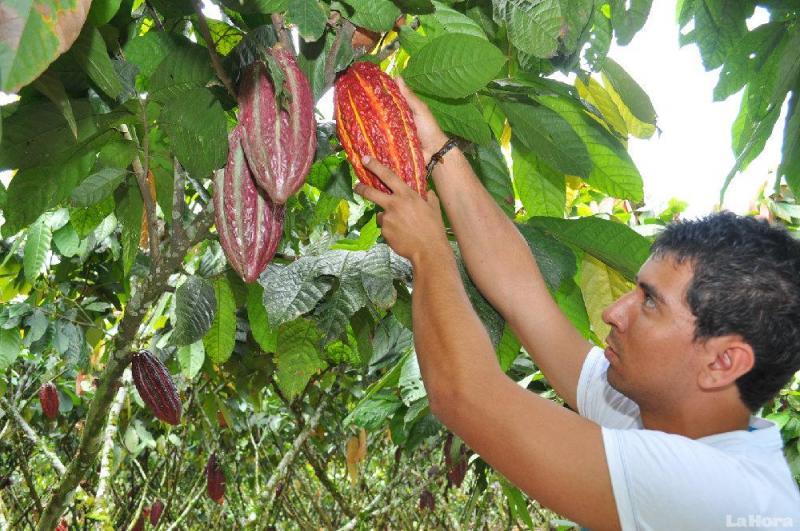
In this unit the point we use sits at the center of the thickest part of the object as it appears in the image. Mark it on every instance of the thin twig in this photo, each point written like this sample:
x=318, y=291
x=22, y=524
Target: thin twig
x=11, y=411
x=178, y=199
x=343, y=32
x=154, y=14
x=280, y=30
x=26, y=475
x=212, y=50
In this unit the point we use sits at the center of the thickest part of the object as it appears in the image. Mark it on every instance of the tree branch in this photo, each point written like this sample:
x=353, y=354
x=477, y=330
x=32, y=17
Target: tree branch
x=344, y=33
x=212, y=49
x=280, y=31
x=101, y=507
x=148, y=290
x=12, y=412
x=178, y=199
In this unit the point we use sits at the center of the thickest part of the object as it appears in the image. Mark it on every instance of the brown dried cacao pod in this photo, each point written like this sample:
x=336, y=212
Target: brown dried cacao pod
x=373, y=118
x=215, y=480
x=155, y=386
x=427, y=501
x=249, y=224
x=279, y=142
x=155, y=511
x=48, y=398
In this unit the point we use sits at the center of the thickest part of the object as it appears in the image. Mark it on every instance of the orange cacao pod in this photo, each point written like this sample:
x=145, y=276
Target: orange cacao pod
x=249, y=224
x=215, y=480
x=155, y=511
x=373, y=118
x=279, y=142
x=155, y=386
x=48, y=398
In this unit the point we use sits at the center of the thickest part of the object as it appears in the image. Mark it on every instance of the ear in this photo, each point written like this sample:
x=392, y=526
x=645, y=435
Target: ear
x=728, y=359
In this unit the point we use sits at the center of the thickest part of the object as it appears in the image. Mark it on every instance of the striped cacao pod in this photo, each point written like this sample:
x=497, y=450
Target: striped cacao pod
x=215, y=480
x=279, y=142
x=156, y=387
x=48, y=398
x=249, y=224
x=373, y=118
x=155, y=511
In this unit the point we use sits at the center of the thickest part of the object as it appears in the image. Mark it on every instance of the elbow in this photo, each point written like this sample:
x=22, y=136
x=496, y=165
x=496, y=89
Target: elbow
x=444, y=403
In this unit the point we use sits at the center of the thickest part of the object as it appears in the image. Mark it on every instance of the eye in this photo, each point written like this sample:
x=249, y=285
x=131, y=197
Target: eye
x=648, y=301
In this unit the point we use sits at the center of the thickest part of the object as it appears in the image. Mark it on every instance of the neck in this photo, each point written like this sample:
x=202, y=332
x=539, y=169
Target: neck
x=710, y=415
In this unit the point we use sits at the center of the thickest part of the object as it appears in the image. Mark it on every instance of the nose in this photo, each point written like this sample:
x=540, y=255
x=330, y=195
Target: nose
x=616, y=315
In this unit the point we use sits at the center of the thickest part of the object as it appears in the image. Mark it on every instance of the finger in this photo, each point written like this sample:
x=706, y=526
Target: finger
x=380, y=219
x=372, y=194
x=433, y=199
x=392, y=181
x=416, y=104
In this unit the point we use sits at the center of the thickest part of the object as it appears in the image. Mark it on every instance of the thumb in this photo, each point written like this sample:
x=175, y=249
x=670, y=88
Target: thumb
x=416, y=104
x=432, y=198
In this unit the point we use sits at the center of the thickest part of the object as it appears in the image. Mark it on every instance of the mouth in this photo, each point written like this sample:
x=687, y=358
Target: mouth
x=610, y=352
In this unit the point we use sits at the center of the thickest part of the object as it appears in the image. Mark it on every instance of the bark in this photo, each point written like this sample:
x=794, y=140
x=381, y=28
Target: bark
x=108, y=445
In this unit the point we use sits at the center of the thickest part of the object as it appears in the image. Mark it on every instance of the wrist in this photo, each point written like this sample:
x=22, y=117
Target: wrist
x=434, y=145
x=432, y=256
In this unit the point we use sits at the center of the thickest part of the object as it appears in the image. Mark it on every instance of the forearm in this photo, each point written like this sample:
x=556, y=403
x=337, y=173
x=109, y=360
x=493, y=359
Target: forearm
x=453, y=348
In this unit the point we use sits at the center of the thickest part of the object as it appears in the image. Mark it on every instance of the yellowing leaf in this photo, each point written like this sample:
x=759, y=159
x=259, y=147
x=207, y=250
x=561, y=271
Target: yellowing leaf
x=601, y=286
x=595, y=94
x=636, y=127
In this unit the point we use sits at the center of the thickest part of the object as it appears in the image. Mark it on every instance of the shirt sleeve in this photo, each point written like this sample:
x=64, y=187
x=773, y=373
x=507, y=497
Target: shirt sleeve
x=666, y=481
x=601, y=403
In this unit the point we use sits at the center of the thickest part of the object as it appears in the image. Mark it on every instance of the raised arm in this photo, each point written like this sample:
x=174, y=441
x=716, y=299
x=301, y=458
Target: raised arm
x=500, y=262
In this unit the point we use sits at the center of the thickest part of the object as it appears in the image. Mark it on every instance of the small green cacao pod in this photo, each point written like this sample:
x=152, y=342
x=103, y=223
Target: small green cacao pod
x=155, y=386
x=48, y=398
x=215, y=480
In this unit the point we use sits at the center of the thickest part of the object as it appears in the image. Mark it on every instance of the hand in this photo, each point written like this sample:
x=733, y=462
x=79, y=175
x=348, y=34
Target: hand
x=411, y=225
x=430, y=134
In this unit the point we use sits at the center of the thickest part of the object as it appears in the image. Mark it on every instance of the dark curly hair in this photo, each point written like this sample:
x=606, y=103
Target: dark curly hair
x=746, y=281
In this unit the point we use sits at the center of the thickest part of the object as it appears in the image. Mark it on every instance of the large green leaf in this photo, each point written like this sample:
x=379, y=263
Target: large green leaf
x=34, y=33
x=290, y=291
x=599, y=38
x=547, y=134
x=613, y=243
x=719, y=26
x=37, y=244
x=577, y=15
x=67, y=241
x=221, y=337
x=452, y=21
x=256, y=6
x=628, y=17
x=491, y=319
x=186, y=68
x=191, y=358
x=490, y=166
x=148, y=50
x=51, y=86
x=456, y=65
x=630, y=92
x=600, y=286
x=747, y=58
x=197, y=127
x=460, y=117
x=128, y=210
x=542, y=190
x=371, y=413
x=570, y=300
x=613, y=171
x=556, y=261
x=348, y=297
x=789, y=168
x=10, y=346
x=376, y=276
x=533, y=27
x=195, y=307
x=297, y=357
x=90, y=53
x=376, y=15
x=97, y=187
x=310, y=18
x=265, y=335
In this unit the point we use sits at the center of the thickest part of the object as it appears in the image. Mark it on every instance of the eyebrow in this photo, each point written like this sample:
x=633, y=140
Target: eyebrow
x=649, y=289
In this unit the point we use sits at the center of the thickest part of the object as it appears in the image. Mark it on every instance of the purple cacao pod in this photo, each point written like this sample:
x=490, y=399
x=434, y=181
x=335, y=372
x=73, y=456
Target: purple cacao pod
x=215, y=480
x=279, y=142
x=249, y=224
x=155, y=511
x=155, y=386
x=48, y=398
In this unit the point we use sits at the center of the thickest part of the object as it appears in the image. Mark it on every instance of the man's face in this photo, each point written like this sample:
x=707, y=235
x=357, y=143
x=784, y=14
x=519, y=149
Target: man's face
x=650, y=346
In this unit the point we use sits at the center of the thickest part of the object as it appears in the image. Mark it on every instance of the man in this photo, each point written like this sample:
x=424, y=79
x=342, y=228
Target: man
x=665, y=438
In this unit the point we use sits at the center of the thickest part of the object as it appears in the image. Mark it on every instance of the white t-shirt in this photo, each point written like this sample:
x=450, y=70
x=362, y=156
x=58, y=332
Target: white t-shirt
x=661, y=481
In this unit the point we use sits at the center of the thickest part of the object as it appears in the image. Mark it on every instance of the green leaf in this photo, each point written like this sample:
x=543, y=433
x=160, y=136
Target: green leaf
x=195, y=308
x=533, y=27
x=747, y=58
x=367, y=237
x=613, y=243
x=507, y=349
x=460, y=118
x=97, y=187
x=457, y=65
x=570, y=300
x=197, y=127
x=789, y=167
x=614, y=172
x=149, y=50
x=265, y=335
x=453, y=21
x=634, y=97
x=191, y=358
x=549, y=136
x=376, y=276
x=37, y=244
x=67, y=240
x=349, y=296
x=51, y=86
x=297, y=357
x=89, y=51
x=491, y=319
x=490, y=166
x=628, y=17
x=34, y=35
x=375, y=15
x=410, y=384
x=373, y=411
x=576, y=14
x=362, y=324
x=310, y=18
x=542, y=190
x=85, y=220
x=599, y=37
x=128, y=211
x=221, y=337
x=185, y=69
x=555, y=260
x=10, y=346
x=600, y=286
x=517, y=503
x=102, y=11
x=252, y=7
x=290, y=291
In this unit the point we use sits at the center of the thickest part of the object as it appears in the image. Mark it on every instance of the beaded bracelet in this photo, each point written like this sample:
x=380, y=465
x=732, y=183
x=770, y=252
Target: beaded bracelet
x=439, y=155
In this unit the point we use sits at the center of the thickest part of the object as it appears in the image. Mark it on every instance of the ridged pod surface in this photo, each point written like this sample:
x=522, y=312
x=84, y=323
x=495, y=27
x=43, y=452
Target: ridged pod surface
x=156, y=387
x=249, y=224
x=279, y=142
x=373, y=118
x=48, y=398
x=215, y=480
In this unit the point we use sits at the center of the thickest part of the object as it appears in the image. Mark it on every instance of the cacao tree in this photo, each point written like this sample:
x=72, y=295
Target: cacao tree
x=180, y=201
